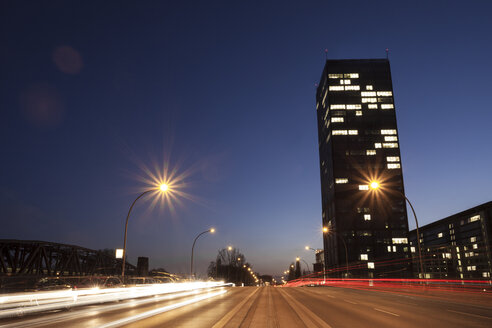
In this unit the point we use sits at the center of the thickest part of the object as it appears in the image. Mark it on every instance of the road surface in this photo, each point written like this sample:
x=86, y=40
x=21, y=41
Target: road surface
x=278, y=307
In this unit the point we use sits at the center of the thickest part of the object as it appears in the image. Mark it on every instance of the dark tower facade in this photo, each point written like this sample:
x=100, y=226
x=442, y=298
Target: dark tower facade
x=366, y=229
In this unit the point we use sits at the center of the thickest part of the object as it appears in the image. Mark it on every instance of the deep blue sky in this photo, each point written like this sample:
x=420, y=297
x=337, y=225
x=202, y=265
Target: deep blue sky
x=224, y=91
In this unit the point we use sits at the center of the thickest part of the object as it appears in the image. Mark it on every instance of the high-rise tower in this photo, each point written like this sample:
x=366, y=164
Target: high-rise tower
x=359, y=144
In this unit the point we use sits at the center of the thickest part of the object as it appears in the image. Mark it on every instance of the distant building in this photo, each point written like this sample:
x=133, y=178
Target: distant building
x=358, y=143
x=320, y=261
x=457, y=247
x=142, y=266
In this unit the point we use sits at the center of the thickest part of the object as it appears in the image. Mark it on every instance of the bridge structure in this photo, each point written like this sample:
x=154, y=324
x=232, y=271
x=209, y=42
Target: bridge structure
x=26, y=261
x=41, y=258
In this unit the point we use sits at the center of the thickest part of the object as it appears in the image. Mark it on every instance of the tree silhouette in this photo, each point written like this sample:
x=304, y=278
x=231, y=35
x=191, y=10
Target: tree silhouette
x=230, y=266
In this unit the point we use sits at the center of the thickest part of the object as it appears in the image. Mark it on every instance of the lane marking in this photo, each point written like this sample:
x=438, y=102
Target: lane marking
x=307, y=316
x=471, y=314
x=328, y=295
x=350, y=301
x=225, y=319
x=163, y=309
x=396, y=315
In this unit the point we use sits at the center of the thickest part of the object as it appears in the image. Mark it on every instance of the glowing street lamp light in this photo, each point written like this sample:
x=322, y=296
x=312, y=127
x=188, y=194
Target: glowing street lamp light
x=211, y=230
x=162, y=188
x=375, y=186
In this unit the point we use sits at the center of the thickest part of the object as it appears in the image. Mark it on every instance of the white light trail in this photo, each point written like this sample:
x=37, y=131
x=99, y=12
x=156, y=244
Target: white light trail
x=163, y=309
x=26, y=303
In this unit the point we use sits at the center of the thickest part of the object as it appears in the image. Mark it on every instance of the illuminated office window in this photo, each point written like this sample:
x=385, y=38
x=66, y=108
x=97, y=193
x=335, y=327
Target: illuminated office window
x=393, y=158
x=352, y=87
x=474, y=218
x=337, y=106
x=353, y=132
x=390, y=138
x=364, y=257
x=385, y=93
x=341, y=180
x=387, y=106
x=345, y=82
x=388, y=248
x=363, y=187
x=367, y=217
x=368, y=87
x=393, y=165
x=336, y=88
x=390, y=145
x=399, y=240
x=354, y=106
x=473, y=239
x=337, y=119
x=368, y=94
x=372, y=106
x=371, y=152
x=388, y=131
x=370, y=265
x=352, y=75
x=369, y=100
x=339, y=132
x=377, y=145
x=475, y=246
x=439, y=235
x=358, y=113
x=335, y=76
x=412, y=249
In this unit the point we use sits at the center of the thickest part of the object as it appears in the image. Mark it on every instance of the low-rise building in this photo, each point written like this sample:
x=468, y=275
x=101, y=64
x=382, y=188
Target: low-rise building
x=456, y=247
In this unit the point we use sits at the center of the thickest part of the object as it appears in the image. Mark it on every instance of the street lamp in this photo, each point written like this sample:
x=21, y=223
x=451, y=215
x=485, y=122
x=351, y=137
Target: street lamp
x=211, y=230
x=375, y=186
x=307, y=265
x=326, y=230
x=162, y=188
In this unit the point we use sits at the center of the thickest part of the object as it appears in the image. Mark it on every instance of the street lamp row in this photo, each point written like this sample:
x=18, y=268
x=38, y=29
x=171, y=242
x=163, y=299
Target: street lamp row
x=164, y=188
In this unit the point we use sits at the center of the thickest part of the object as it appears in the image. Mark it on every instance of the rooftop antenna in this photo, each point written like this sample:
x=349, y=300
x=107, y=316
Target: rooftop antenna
x=387, y=53
x=326, y=54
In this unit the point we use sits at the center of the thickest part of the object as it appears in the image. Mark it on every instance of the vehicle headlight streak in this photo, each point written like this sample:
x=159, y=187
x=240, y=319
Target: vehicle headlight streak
x=27, y=303
x=163, y=309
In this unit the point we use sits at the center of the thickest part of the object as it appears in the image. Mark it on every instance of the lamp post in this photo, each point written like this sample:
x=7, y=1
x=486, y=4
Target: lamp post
x=315, y=259
x=375, y=186
x=211, y=230
x=163, y=188
x=326, y=230
x=307, y=265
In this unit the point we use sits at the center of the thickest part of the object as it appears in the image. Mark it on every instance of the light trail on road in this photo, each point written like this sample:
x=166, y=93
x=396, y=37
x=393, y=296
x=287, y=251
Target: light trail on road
x=20, y=304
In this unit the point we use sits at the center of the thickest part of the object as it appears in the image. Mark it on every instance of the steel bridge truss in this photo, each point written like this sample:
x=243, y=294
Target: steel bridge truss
x=40, y=258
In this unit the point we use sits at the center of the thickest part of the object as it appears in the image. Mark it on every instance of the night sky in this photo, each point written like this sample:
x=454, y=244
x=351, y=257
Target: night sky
x=98, y=96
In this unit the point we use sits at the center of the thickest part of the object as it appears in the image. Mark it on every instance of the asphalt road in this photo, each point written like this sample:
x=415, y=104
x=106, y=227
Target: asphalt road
x=278, y=307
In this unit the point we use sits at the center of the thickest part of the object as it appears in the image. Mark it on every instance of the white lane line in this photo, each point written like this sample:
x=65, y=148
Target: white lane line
x=152, y=313
x=328, y=295
x=396, y=315
x=307, y=316
x=473, y=315
x=349, y=301
x=225, y=319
